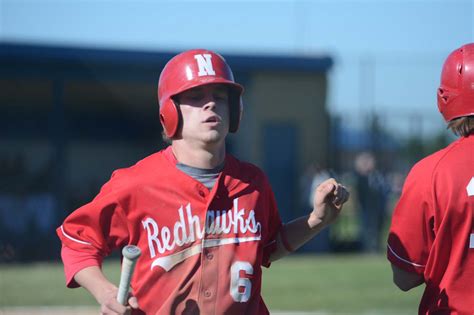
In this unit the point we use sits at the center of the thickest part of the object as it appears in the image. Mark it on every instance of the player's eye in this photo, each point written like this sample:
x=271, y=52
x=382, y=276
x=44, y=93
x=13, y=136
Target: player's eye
x=195, y=97
x=221, y=96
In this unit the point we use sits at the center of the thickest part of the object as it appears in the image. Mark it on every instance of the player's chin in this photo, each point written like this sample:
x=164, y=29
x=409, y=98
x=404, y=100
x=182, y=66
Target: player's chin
x=214, y=136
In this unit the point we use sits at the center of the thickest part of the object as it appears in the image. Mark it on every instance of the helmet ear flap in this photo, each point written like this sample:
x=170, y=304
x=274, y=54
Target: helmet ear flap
x=169, y=117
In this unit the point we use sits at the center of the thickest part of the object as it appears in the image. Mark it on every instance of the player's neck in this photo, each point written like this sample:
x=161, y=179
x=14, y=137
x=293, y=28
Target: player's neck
x=207, y=158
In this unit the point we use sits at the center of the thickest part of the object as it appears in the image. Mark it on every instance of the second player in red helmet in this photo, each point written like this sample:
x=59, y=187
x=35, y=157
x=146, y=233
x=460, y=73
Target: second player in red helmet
x=431, y=239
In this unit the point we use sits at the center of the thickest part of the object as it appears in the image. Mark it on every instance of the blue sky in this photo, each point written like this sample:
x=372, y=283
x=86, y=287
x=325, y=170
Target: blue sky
x=388, y=54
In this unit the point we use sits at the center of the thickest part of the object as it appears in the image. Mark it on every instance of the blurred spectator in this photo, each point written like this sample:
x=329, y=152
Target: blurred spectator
x=372, y=191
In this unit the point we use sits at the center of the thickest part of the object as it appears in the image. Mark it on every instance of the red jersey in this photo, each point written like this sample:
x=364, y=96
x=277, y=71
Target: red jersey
x=202, y=250
x=432, y=231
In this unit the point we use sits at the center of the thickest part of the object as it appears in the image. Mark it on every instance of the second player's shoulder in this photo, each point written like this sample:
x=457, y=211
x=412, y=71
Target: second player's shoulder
x=451, y=159
x=436, y=165
x=459, y=152
x=429, y=164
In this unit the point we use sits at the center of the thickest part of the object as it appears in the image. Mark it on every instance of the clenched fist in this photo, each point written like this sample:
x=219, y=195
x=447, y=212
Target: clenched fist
x=328, y=200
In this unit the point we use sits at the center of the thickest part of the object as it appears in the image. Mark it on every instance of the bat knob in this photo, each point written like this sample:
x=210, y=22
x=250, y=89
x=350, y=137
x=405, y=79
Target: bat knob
x=131, y=252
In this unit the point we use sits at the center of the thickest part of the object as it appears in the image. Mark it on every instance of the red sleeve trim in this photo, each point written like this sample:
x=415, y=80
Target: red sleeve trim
x=72, y=238
x=74, y=261
x=403, y=263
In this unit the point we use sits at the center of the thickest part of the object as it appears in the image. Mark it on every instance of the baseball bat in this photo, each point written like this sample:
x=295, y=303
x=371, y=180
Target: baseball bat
x=130, y=255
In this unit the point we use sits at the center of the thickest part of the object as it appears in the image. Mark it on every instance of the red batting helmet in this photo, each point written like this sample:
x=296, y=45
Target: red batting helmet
x=456, y=91
x=191, y=69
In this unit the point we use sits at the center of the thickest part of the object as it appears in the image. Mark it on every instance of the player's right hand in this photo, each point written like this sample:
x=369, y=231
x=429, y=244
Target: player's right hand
x=329, y=199
x=110, y=306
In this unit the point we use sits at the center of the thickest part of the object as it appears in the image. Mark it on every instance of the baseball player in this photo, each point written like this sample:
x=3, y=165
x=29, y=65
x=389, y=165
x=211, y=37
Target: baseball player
x=431, y=238
x=205, y=222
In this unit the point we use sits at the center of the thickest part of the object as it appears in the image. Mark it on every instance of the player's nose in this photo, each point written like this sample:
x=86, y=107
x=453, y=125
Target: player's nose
x=210, y=103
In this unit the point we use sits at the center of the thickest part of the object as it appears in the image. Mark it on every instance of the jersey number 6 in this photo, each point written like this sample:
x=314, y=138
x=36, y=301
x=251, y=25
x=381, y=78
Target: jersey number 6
x=240, y=287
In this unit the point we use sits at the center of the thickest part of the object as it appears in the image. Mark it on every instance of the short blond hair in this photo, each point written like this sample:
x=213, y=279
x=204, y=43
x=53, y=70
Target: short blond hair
x=462, y=126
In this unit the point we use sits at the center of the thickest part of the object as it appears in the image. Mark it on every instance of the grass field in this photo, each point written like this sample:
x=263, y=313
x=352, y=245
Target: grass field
x=335, y=284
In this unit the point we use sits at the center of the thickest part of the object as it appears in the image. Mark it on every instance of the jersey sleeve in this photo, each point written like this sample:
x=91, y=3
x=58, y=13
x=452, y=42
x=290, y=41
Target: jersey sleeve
x=95, y=229
x=274, y=226
x=74, y=261
x=411, y=232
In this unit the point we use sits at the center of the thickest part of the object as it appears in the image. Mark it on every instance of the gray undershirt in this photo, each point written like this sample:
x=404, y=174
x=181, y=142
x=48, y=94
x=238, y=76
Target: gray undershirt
x=207, y=177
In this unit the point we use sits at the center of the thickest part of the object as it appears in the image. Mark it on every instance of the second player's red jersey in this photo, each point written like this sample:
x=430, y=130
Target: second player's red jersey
x=432, y=231
x=202, y=250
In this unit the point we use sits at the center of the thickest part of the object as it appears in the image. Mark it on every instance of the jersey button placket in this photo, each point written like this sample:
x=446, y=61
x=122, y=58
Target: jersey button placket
x=209, y=267
x=209, y=280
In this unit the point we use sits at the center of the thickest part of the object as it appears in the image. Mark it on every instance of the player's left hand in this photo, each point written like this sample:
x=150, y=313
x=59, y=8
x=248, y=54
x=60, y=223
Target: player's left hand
x=328, y=200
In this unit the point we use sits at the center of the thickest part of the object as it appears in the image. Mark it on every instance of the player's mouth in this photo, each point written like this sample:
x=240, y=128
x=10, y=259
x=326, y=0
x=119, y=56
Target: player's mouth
x=212, y=120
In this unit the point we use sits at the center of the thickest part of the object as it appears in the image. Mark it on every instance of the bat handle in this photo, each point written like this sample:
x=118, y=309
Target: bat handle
x=130, y=255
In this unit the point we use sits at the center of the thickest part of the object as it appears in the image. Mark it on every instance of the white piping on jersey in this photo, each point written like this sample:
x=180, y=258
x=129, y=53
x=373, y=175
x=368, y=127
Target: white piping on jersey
x=404, y=260
x=471, y=241
x=72, y=238
x=168, y=262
